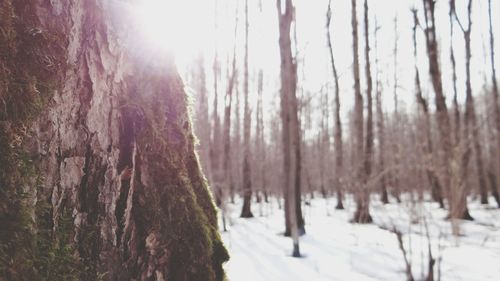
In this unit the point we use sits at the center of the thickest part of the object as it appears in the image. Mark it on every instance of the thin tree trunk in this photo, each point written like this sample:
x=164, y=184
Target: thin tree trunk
x=380, y=125
x=471, y=126
x=339, y=158
x=202, y=124
x=456, y=109
x=395, y=183
x=259, y=137
x=246, y=211
x=496, y=108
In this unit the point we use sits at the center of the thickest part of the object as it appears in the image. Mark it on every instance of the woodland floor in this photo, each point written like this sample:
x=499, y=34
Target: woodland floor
x=334, y=249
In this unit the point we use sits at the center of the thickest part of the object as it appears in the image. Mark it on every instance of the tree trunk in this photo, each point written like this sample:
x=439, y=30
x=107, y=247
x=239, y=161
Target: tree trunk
x=470, y=112
x=215, y=149
x=202, y=123
x=362, y=214
x=338, y=123
x=456, y=110
x=290, y=123
x=246, y=211
x=118, y=187
x=395, y=183
x=380, y=126
x=443, y=119
x=436, y=190
x=496, y=106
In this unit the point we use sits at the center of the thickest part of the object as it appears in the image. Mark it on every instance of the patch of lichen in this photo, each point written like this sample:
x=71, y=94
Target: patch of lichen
x=31, y=63
x=181, y=208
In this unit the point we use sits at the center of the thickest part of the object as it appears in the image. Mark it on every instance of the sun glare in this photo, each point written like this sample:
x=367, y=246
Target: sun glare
x=180, y=27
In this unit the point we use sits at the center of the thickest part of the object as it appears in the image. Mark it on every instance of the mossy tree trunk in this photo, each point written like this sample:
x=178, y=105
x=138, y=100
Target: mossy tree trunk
x=112, y=148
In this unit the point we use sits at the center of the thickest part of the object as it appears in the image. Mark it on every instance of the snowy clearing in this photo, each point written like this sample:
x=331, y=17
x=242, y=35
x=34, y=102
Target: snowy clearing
x=334, y=249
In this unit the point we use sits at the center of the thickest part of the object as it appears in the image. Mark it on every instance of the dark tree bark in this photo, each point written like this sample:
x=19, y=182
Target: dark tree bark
x=337, y=142
x=116, y=180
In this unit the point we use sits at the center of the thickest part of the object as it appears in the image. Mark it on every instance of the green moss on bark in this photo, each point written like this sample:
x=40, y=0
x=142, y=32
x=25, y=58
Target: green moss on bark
x=182, y=208
x=31, y=61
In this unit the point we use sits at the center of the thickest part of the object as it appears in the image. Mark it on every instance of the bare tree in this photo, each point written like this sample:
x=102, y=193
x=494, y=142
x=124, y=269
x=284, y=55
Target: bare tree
x=380, y=124
x=395, y=174
x=290, y=122
x=364, y=153
x=471, y=126
x=496, y=108
x=260, y=144
x=339, y=157
x=456, y=109
x=436, y=190
x=458, y=209
x=246, y=211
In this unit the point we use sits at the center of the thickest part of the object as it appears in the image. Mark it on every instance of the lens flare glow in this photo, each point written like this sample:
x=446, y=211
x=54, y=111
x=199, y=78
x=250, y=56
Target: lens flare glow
x=178, y=27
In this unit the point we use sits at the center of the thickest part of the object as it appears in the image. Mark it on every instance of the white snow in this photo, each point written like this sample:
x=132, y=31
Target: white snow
x=334, y=249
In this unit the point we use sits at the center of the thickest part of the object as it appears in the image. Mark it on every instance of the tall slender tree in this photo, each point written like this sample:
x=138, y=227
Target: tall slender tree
x=380, y=123
x=246, y=211
x=458, y=209
x=471, y=128
x=496, y=109
x=338, y=149
x=290, y=120
x=423, y=104
x=362, y=214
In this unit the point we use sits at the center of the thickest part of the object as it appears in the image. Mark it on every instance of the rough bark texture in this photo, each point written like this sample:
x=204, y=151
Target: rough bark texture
x=113, y=151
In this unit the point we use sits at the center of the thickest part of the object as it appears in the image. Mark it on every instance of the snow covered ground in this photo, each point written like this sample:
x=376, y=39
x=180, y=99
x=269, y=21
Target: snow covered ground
x=335, y=249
